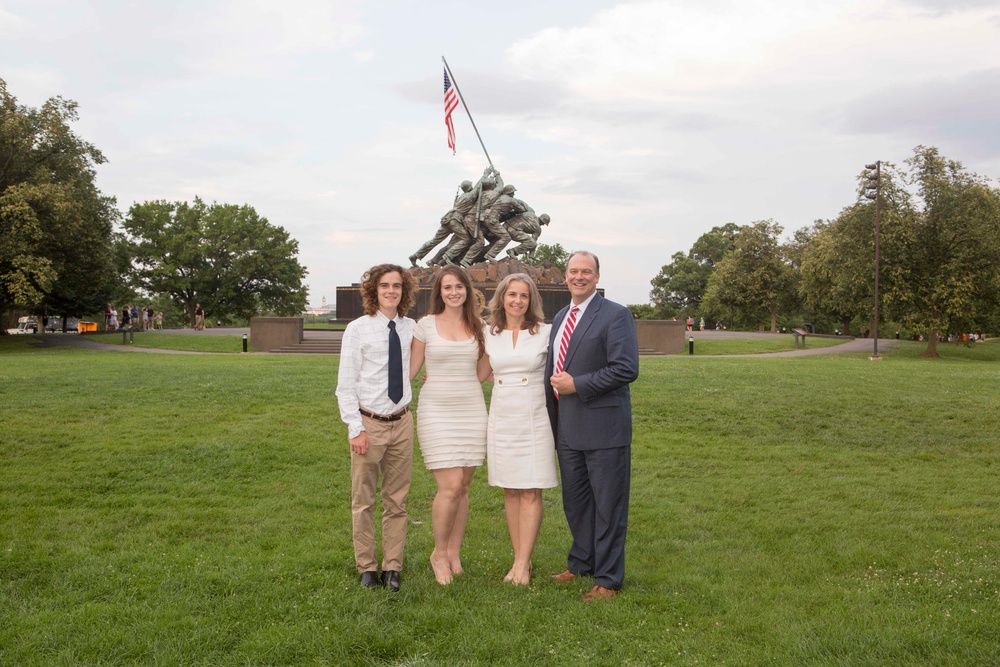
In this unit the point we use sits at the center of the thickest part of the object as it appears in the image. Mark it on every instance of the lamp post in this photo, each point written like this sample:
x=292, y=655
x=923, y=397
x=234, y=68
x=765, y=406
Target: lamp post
x=732, y=248
x=873, y=190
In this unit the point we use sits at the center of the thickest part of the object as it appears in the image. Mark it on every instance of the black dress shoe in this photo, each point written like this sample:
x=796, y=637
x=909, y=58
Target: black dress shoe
x=390, y=579
x=369, y=579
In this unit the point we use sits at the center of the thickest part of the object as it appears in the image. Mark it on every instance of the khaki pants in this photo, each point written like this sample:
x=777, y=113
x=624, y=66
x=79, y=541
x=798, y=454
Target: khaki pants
x=390, y=452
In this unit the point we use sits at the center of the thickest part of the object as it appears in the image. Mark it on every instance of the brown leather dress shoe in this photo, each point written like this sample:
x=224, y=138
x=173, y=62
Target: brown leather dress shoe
x=599, y=592
x=563, y=577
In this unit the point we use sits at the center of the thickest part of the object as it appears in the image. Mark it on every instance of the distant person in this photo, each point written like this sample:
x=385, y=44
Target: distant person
x=135, y=315
x=159, y=321
x=107, y=317
x=595, y=357
x=718, y=325
x=145, y=320
x=374, y=397
x=126, y=317
x=701, y=324
x=113, y=319
x=199, y=317
x=690, y=323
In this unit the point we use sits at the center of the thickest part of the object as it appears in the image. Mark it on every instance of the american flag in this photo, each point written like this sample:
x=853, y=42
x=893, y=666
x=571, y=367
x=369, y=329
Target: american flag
x=450, y=102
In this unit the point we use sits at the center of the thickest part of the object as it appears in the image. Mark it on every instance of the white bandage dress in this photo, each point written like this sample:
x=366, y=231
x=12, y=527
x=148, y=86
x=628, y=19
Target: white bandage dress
x=451, y=410
x=520, y=450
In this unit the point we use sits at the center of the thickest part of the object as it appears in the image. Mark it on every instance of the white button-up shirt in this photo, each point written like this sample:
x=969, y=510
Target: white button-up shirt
x=363, y=380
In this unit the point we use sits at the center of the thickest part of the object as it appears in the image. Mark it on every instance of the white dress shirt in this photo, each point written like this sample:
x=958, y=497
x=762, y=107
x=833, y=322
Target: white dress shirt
x=562, y=325
x=363, y=379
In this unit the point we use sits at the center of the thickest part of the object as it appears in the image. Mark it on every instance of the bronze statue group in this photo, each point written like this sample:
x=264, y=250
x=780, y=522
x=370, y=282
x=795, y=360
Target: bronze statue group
x=560, y=392
x=485, y=219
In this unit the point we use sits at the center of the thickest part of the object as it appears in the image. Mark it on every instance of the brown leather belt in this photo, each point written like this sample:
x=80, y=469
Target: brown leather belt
x=394, y=417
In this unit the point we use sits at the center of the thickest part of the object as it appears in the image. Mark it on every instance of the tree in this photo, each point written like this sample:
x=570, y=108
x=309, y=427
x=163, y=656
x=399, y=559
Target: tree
x=56, y=236
x=941, y=263
x=755, y=277
x=551, y=253
x=643, y=311
x=837, y=276
x=225, y=257
x=680, y=285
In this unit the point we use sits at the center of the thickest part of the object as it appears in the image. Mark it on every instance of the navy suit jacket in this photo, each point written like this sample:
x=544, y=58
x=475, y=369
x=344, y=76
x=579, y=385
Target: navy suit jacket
x=603, y=358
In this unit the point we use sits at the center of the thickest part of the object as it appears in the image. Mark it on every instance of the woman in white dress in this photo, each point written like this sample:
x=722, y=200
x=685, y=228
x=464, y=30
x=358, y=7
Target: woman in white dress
x=451, y=411
x=521, y=454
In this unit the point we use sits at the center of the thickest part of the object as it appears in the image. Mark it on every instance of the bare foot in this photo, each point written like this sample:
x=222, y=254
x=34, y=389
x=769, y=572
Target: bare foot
x=456, y=566
x=442, y=571
x=522, y=574
x=510, y=576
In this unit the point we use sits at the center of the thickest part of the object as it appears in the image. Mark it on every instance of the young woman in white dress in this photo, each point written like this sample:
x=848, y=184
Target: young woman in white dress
x=521, y=454
x=451, y=410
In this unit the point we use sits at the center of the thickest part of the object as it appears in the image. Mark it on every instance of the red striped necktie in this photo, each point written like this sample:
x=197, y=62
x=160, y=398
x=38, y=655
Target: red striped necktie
x=564, y=341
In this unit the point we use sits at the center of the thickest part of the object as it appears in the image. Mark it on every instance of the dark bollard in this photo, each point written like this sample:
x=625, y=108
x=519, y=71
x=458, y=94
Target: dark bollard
x=897, y=335
x=124, y=337
x=244, y=342
x=691, y=345
x=131, y=335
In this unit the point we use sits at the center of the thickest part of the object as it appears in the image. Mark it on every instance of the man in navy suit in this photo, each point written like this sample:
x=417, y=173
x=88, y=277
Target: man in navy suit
x=593, y=357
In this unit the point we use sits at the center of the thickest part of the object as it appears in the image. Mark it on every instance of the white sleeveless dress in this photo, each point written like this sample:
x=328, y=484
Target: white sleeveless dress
x=520, y=450
x=451, y=410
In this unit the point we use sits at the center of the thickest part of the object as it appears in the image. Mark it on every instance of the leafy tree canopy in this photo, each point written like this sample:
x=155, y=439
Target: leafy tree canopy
x=756, y=276
x=56, y=228
x=680, y=286
x=226, y=257
x=941, y=259
x=552, y=253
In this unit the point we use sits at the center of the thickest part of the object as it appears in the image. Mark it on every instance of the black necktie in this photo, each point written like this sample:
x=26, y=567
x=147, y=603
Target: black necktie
x=395, y=365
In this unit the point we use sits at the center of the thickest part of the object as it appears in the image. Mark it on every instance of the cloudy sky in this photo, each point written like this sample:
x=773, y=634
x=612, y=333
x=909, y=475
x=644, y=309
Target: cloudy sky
x=638, y=126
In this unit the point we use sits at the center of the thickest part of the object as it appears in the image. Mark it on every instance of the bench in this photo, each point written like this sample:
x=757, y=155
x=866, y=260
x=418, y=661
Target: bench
x=800, y=334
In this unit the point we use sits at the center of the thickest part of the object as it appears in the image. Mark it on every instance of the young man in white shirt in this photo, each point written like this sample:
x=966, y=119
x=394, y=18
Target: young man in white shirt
x=373, y=392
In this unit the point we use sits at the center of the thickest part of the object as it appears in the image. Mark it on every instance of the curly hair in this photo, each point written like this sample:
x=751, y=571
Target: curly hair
x=470, y=313
x=533, y=315
x=369, y=288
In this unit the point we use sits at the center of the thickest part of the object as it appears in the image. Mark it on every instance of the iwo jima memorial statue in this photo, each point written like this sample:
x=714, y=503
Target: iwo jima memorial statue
x=485, y=220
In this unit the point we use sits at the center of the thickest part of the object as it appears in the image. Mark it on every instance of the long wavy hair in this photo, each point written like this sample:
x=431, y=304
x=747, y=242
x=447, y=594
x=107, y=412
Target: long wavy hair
x=533, y=315
x=470, y=311
x=369, y=288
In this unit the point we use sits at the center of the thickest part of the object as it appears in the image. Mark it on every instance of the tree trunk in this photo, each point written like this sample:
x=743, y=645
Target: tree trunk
x=774, y=320
x=847, y=326
x=931, y=351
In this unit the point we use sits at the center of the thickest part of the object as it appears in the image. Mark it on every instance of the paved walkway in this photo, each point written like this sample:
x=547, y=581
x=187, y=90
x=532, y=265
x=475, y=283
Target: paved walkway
x=849, y=344
x=857, y=345
x=76, y=340
x=86, y=343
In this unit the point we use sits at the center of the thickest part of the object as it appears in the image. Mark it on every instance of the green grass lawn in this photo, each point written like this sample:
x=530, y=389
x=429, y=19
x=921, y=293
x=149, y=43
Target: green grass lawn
x=825, y=510
x=164, y=341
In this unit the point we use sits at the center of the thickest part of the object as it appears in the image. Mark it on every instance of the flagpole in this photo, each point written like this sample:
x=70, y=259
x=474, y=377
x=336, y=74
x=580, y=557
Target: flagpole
x=462, y=97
